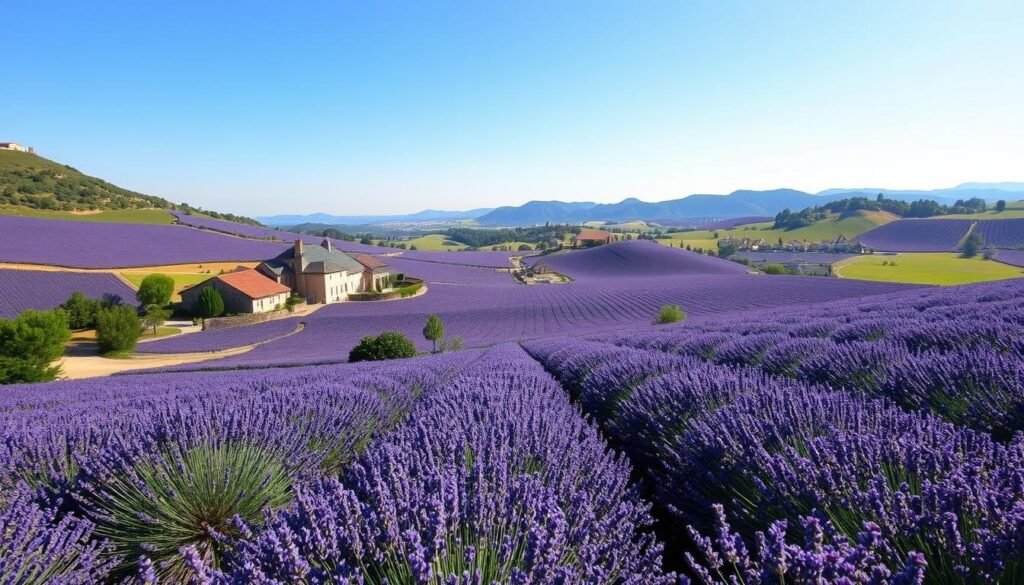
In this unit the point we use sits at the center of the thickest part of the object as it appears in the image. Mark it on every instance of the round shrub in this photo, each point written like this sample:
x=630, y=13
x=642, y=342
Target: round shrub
x=669, y=314
x=386, y=346
x=117, y=328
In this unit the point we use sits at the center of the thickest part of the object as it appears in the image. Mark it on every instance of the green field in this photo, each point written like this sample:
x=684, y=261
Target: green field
x=433, y=243
x=706, y=244
x=925, y=268
x=848, y=225
x=150, y=216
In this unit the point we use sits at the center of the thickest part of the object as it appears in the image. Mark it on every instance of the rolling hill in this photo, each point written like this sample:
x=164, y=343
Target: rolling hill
x=39, y=187
x=849, y=225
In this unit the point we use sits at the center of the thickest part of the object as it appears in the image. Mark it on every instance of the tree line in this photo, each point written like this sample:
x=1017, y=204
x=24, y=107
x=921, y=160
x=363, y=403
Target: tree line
x=921, y=208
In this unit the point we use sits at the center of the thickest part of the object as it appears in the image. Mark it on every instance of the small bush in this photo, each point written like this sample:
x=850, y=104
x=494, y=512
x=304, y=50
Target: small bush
x=386, y=346
x=410, y=290
x=117, y=328
x=669, y=314
x=30, y=343
x=451, y=344
x=774, y=269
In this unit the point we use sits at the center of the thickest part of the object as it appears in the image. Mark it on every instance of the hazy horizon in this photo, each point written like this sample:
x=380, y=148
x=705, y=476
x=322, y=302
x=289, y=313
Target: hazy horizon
x=392, y=109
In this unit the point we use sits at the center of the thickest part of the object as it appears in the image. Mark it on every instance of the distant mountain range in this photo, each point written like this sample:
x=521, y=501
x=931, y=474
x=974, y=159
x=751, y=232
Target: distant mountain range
x=692, y=207
x=328, y=219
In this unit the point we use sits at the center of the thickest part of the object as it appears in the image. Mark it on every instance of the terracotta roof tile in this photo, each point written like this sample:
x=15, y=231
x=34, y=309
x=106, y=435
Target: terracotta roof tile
x=253, y=284
x=369, y=261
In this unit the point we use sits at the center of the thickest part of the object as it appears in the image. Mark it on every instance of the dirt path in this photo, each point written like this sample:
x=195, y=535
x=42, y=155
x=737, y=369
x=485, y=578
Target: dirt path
x=83, y=360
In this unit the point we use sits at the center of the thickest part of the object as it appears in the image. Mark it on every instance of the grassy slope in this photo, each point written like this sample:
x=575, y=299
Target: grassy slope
x=851, y=225
x=925, y=268
x=36, y=185
x=32, y=181
x=150, y=216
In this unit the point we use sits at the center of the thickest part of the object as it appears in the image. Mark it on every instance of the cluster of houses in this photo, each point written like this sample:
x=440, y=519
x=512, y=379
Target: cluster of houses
x=840, y=245
x=315, y=273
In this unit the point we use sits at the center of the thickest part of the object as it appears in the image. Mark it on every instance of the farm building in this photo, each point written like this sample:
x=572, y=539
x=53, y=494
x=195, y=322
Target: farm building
x=323, y=274
x=243, y=291
x=375, y=272
x=16, y=146
x=588, y=238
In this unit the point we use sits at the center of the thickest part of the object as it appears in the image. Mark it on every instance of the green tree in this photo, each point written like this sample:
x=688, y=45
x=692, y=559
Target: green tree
x=155, y=316
x=81, y=311
x=386, y=346
x=156, y=289
x=117, y=328
x=726, y=249
x=1001, y=205
x=30, y=343
x=433, y=330
x=972, y=245
x=210, y=304
x=774, y=269
x=669, y=314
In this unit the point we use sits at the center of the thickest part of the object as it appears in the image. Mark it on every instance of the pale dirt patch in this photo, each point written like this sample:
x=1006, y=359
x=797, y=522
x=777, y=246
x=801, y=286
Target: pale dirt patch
x=77, y=367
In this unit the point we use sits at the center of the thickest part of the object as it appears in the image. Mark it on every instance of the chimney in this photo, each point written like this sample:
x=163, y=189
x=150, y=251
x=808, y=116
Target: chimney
x=326, y=244
x=298, y=248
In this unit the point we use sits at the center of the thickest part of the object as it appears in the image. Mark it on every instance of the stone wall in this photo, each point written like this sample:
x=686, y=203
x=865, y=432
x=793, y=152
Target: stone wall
x=249, y=318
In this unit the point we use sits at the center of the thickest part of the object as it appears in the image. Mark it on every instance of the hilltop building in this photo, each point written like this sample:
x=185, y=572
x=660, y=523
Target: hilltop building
x=323, y=274
x=17, y=147
x=243, y=291
x=588, y=238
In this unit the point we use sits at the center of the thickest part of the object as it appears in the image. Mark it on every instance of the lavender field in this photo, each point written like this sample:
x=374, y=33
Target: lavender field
x=44, y=290
x=1011, y=257
x=486, y=307
x=917, y=235
x=75, y=244
x=794, y=429
x=1002, y=233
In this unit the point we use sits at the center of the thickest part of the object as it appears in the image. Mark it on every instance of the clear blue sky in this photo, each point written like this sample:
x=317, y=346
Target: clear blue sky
x=395, y=106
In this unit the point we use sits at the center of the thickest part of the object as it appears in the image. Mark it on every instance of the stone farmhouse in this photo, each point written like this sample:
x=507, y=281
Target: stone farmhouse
x=323, y=274
x=244, y=291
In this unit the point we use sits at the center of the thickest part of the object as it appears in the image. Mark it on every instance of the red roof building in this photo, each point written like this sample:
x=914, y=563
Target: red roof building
x=243, y=291
x=592, y=238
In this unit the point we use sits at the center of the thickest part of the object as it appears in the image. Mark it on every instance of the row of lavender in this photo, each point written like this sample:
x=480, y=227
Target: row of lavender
x=495, y=478
x=106, y=478
x=488, y=475
x=955, y=352
x=863, y=490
